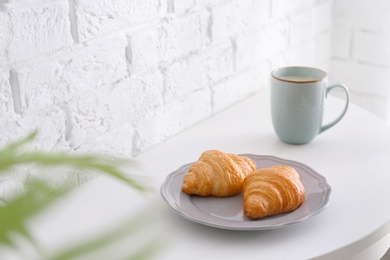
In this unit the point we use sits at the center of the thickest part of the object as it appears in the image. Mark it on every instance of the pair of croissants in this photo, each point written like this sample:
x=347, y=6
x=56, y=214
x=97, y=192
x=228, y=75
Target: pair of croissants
x=266, y=191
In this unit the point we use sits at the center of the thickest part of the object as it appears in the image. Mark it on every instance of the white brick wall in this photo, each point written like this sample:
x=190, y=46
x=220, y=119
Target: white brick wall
x=361, y=52
x=122, y=76
x=31, y=28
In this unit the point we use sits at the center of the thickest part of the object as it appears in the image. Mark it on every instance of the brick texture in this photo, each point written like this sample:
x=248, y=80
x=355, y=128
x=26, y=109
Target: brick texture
x=123, y=76
x=360, y=52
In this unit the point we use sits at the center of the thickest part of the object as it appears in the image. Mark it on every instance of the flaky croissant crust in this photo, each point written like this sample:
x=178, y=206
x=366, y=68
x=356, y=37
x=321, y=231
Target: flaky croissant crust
x=271, y=191
x=217, y=174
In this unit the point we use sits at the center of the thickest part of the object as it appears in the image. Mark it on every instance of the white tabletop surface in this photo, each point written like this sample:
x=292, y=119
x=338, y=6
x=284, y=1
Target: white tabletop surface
x=354, y=156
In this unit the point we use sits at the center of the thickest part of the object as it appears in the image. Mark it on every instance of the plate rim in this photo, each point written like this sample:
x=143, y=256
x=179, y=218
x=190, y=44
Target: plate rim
x=235, y=225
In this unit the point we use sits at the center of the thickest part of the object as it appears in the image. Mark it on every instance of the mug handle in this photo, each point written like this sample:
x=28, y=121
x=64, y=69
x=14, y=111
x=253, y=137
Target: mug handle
x=327, y=90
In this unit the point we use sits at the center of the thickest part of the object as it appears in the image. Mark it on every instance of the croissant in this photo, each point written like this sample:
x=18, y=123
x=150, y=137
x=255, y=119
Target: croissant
x=217, y=174
x=271, y=191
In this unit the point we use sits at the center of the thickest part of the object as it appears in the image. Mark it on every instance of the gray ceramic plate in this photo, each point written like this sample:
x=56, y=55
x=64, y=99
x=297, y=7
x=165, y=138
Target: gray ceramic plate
x=227, y=213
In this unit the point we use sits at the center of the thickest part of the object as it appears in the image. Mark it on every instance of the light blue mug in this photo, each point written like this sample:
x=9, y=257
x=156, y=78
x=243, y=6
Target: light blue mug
x=297, y=103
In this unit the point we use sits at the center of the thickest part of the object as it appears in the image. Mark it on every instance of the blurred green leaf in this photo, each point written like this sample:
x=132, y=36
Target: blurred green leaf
x=11, y=156
x=8, y=155
x=14, y=215
x=38, y=194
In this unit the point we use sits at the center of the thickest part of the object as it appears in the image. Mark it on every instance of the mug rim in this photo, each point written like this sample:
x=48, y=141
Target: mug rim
x=299, y=67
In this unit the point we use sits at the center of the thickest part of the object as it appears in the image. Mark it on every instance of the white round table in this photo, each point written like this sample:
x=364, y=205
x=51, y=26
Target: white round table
x=354, y=156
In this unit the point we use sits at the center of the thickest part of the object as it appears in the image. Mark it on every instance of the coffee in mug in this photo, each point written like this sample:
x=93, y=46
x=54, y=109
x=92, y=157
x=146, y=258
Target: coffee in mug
x=297, y=103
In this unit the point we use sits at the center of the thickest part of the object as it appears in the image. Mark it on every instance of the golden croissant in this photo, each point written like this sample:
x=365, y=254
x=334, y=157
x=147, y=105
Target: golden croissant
x=271, y=191
x=217, y=174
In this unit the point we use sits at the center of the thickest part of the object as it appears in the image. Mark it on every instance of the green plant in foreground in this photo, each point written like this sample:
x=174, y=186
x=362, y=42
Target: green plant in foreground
x=39, y=194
